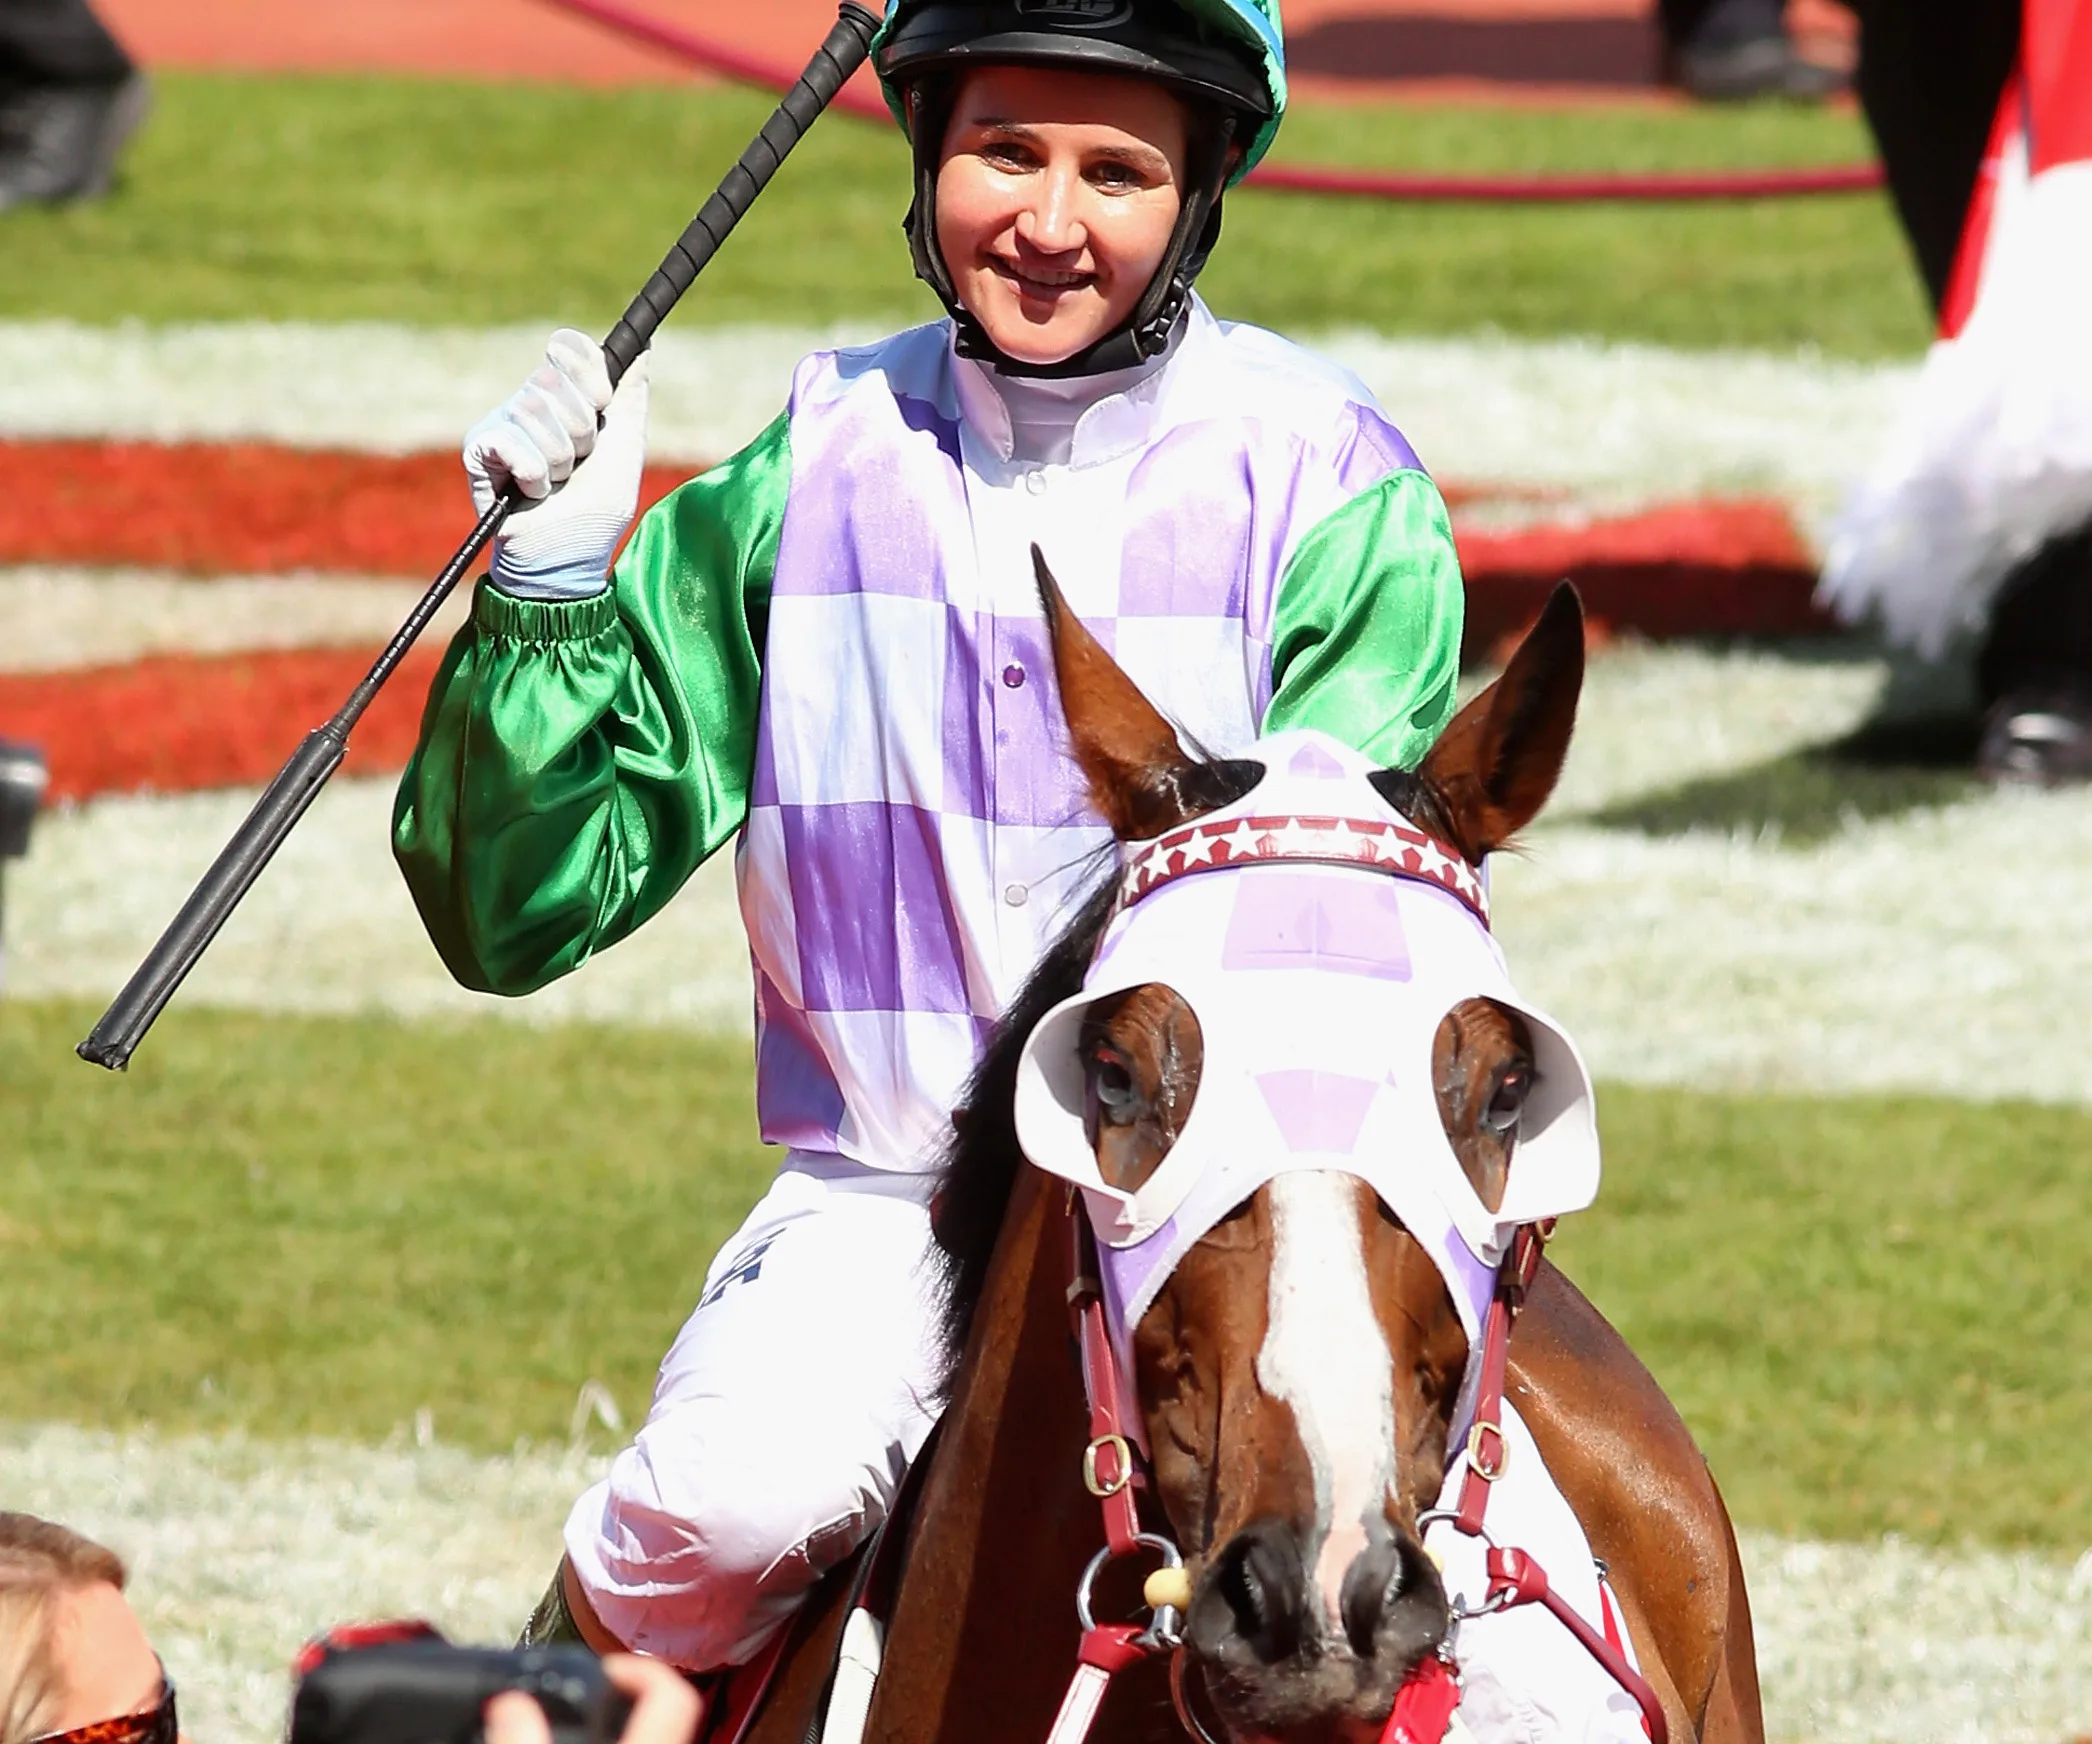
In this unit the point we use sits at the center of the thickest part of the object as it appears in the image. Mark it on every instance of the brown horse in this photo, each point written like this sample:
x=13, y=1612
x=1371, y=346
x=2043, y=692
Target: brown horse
x=982, y=1632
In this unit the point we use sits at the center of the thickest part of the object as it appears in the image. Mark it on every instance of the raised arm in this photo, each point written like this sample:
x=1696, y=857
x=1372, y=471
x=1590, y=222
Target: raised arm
x=584, y=751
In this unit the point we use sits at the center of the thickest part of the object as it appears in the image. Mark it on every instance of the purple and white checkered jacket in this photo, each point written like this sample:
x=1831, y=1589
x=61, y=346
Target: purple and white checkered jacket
x=916, y=831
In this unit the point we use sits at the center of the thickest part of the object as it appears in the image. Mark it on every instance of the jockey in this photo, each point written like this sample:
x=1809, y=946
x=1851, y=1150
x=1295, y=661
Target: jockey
x=830, y=647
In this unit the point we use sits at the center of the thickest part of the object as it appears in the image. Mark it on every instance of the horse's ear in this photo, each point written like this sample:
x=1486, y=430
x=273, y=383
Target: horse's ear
x=1140, y=777
x=1493, y=768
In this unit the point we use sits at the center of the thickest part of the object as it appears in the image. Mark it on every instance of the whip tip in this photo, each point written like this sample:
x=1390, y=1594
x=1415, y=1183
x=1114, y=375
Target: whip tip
x=114, y=1056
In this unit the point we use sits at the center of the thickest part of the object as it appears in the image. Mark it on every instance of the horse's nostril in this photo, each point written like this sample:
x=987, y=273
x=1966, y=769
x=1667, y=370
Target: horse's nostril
x=1371, y=1584
x=1254, y=1595
x=1389, y=1569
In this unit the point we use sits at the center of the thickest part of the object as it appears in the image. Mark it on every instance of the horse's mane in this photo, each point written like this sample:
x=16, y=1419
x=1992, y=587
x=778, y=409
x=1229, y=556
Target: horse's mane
x=980, y=1162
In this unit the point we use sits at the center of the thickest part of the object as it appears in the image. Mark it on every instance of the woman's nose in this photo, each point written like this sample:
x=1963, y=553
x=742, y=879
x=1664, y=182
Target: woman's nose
x=1052, y=222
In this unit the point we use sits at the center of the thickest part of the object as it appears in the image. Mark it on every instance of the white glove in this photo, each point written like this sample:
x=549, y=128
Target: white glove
x=558, y=544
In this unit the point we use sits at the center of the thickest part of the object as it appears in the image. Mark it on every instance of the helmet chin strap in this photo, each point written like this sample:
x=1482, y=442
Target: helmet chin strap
x=1143, y=334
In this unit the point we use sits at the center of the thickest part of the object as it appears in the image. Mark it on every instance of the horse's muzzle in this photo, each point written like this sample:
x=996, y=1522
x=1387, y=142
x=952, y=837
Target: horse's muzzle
x=1274, y=1664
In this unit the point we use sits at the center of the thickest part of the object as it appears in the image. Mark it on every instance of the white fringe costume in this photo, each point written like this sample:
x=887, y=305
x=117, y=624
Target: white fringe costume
x=1993, y=454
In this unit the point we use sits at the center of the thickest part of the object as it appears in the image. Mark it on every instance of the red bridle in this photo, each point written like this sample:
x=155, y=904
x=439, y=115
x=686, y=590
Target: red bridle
x=1424, y=1705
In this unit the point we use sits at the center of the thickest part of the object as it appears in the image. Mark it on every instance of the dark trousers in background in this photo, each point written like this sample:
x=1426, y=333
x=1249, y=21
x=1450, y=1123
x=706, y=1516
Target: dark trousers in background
x=1930, y=75
x=1719, y=23
x=57, y=42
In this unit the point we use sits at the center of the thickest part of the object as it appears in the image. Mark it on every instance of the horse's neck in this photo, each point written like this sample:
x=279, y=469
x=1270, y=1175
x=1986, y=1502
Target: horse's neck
x=983, y=1635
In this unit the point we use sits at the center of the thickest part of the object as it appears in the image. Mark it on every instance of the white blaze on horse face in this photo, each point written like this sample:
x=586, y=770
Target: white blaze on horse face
x=1325, y=1355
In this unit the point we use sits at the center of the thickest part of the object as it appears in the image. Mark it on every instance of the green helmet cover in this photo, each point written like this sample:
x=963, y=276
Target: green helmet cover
x=1250, y=28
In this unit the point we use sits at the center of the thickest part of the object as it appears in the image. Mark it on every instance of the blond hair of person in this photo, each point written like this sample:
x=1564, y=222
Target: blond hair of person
x=39, y=1560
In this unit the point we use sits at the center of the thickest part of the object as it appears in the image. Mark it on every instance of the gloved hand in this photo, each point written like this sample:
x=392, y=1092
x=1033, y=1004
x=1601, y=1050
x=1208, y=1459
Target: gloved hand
x=558, y=544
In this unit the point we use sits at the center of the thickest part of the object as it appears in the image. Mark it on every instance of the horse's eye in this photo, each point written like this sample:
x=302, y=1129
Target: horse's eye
x=1507, y=1102
x=1111, y=1082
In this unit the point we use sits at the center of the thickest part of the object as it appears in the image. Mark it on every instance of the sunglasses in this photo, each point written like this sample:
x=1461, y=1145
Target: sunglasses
x=154, y=1725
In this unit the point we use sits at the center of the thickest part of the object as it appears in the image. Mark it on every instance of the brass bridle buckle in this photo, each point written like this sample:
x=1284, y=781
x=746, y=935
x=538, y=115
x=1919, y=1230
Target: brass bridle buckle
x=1093, y=1479
x=1486, y=1464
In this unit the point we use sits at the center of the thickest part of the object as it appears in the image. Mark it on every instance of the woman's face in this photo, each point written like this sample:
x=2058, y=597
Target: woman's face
x=1056, y=196
x=104, y=1662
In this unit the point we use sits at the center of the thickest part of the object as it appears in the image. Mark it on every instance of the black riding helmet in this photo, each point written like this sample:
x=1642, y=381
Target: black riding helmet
x=1223, y=59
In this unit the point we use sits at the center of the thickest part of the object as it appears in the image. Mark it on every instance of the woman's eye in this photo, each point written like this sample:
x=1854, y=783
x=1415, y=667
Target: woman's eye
x=1507, y=1103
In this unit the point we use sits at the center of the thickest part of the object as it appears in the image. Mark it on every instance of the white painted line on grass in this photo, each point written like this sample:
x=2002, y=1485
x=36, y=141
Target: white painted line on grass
x=1620, y=425
x=241, y=1550
x=1942, y=952
x=329, y=927
x=54, y=617
x=1938, y=951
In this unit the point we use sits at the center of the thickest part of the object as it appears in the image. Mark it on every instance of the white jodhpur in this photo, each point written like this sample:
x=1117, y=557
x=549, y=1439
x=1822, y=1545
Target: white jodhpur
x=784, y=1417
x=1524, y=1679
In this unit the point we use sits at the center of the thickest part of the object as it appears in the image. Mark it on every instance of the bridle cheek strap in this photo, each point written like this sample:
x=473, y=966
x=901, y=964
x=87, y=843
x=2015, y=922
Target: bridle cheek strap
x=1109, y=1473
x=1486, y=1447
x=1515, y=1578
x=1108, y=1469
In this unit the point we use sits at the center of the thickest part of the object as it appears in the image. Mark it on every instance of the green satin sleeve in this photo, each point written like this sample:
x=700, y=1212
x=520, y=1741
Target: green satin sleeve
x=579, y=759
x=1365, y=641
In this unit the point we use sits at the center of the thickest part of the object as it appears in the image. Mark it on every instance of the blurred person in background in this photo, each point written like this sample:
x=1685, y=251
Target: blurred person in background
x=75, y=1664
x=69, y=99
x=1972, y=536
x=1732, y=50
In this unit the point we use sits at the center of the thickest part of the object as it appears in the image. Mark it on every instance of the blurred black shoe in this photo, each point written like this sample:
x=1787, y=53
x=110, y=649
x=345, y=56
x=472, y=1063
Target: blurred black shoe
x=2037, y=738
x=60, y=143
x=2034, y=669
x=1757, y=66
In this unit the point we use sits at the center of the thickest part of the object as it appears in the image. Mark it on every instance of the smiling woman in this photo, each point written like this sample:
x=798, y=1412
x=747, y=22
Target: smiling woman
x=1056, y=200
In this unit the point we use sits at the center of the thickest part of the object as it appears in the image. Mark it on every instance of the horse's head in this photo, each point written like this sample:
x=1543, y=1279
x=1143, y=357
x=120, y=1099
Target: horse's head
x=1291, y=1092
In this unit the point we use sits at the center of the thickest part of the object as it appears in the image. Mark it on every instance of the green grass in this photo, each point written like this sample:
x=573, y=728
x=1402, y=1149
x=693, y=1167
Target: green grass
x=449, y=202
x=314, y=1226
x=1803, y=797
x=1869, y=1310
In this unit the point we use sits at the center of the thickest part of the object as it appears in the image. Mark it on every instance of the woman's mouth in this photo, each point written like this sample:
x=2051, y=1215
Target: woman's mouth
x=1042, y=283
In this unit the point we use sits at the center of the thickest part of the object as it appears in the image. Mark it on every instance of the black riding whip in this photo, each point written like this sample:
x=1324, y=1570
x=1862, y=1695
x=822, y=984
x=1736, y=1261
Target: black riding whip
x=285, y=800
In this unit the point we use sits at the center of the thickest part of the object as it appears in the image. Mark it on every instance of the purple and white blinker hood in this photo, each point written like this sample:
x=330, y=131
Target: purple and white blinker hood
x=1318, y=937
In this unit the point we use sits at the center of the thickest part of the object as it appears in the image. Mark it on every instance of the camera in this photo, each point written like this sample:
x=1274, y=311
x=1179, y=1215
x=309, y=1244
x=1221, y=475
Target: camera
x=429, y=1692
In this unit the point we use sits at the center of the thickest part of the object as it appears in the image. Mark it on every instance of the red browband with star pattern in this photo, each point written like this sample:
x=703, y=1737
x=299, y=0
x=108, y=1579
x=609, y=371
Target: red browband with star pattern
x=1398, y=849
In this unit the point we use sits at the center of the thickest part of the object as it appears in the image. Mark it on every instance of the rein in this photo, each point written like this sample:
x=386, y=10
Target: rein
x=1424, y=1705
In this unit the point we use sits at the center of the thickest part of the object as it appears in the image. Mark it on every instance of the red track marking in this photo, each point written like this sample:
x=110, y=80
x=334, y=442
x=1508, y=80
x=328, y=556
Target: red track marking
x=256, y=509
x=239, y=508
x=176, y=724
x=1733, y=568
x=526, y=39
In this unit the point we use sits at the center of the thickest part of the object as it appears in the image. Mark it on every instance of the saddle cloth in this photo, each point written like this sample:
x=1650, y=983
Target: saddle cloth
x=1524, y=1678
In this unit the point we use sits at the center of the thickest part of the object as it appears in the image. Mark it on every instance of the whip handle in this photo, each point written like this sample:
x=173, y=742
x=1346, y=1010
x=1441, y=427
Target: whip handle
x=840, y=55
x=297, y=784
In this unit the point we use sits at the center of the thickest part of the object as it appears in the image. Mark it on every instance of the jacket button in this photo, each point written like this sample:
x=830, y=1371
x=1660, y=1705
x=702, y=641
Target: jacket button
x=1013, y=676
x=1035, y=482
x=1015, y=895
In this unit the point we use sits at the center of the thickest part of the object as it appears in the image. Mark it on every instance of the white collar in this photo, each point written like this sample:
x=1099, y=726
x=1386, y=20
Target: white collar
x=1124, y=416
